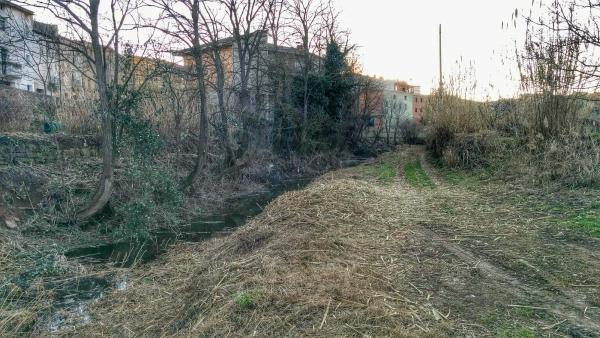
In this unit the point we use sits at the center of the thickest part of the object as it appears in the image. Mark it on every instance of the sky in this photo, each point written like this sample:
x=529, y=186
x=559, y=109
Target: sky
x=398, y=39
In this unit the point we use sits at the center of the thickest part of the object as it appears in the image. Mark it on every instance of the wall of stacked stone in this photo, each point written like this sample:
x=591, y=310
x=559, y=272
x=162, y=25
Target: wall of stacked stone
x=22, y=148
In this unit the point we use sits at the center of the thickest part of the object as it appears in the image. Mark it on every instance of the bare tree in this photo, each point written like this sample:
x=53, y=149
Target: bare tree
x=183, y=23
x=558, y=62
x=94, y=27
x=248, y=20
x=212, y=22
x=306, y=16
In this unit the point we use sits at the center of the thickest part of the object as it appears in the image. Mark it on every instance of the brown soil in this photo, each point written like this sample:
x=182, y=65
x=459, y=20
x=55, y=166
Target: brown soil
x=352, y=256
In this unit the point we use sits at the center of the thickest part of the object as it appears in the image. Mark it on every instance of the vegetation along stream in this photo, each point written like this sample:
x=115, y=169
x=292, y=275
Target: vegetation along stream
x=73, y=296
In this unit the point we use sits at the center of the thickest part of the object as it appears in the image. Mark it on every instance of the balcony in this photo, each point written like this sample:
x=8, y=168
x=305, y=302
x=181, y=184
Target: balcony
x=10, y=71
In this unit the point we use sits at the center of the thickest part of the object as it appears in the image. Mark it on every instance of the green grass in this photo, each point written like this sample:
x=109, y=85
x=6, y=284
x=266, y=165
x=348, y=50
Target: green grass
x=587, y=223
x=466, y=179
x=454, y=177
x=386, y=172
x=416, y=176
x=447, y=208
x=245, y=301
x=521, y=332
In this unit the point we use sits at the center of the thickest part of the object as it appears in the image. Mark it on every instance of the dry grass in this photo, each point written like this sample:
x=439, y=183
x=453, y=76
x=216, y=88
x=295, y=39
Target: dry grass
x=351, y=255
x=16, y=319
x=319, y=261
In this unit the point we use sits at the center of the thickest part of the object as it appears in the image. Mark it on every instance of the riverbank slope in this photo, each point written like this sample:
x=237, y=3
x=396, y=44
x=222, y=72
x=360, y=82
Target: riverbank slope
x=395, y=248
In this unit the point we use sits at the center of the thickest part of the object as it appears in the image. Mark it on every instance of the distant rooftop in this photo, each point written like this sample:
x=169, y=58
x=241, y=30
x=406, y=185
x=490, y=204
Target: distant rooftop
x=45, y=29
x=15, y=6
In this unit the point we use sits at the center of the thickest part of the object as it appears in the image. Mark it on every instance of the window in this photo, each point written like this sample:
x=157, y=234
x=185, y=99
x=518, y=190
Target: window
x=3, y=60
x=404, y=97
x=416, y=110
x=2, y=23
x=371, y=121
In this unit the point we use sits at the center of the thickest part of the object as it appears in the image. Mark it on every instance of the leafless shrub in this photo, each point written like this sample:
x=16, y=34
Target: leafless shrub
x=572, y=159
x=15, y=113
x=450, y=112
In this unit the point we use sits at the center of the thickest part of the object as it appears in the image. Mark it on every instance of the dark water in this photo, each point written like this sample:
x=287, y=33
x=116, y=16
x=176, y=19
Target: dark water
x=235, y=214
x=73, y=296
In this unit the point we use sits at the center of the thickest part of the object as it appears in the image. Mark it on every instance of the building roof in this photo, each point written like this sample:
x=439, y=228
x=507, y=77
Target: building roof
x=15, y=6
x=45, y=29
x=225, y=42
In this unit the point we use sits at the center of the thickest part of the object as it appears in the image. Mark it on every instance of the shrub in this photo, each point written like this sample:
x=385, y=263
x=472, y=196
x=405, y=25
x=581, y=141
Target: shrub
x=573, y=159
x=15, y=111
x=149, y=199
x=470, y=150
x=450, y=111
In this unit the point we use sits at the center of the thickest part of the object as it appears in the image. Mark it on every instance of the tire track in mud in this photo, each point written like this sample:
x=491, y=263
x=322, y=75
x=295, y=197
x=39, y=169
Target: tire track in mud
x=561, y=302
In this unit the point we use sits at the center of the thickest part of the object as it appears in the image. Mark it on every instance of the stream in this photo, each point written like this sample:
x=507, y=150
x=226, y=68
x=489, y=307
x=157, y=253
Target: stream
x=73, y=296
x=235, y=214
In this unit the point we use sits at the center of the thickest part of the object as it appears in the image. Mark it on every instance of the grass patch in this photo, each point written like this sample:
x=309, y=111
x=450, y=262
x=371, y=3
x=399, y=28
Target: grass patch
x=454, y=177
x=464, y=179
x=587, y=223
x=521, y=332
x=386, y=173
x=447, y=208
x=245, y=301
x=416, y=176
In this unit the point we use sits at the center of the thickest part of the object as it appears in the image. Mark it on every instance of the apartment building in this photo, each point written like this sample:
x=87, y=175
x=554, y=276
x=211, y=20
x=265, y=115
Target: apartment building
x=391, y=103
x=267, y=60
x=28, y=58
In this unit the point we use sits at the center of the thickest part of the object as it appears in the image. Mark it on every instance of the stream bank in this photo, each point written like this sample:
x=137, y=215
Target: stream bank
x=58, y=272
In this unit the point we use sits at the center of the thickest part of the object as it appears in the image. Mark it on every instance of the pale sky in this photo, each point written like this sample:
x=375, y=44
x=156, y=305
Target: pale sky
x=399, y=39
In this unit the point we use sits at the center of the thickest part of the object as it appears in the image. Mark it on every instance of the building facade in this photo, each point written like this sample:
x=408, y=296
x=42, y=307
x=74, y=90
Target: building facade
x=269, y=62
x=28, y=57
x=392, y=104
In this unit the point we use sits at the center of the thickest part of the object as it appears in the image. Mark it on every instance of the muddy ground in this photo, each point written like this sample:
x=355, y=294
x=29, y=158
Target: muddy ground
x=395, y=248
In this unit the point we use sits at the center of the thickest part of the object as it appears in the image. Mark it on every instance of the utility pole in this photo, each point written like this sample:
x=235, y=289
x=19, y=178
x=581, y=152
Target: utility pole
x=441, y=78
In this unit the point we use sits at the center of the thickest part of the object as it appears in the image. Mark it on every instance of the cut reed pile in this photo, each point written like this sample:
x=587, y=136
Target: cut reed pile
x=315, y=262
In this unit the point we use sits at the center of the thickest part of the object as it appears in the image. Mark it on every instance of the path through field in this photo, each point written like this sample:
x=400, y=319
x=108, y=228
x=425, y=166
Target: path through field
x=393, y=248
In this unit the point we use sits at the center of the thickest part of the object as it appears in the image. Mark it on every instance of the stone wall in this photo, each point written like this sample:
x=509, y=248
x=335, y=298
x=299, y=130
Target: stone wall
x=23, y=148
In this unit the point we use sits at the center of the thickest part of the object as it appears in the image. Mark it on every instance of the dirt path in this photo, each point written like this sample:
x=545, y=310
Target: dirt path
x=361, y=252
x=504, y=260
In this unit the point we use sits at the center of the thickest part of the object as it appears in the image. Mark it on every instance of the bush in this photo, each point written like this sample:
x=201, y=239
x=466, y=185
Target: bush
x=470, y=150
x=149, y=200
x=457, y=129
x=15, y=111
x=573, y=159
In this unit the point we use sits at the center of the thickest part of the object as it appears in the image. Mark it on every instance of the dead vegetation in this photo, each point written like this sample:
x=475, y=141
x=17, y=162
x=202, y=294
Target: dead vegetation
x=352, y=255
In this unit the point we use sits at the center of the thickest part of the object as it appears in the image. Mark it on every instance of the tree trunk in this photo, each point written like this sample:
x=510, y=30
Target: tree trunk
x=224, y=128
x=105, y=187
x=203, y=120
